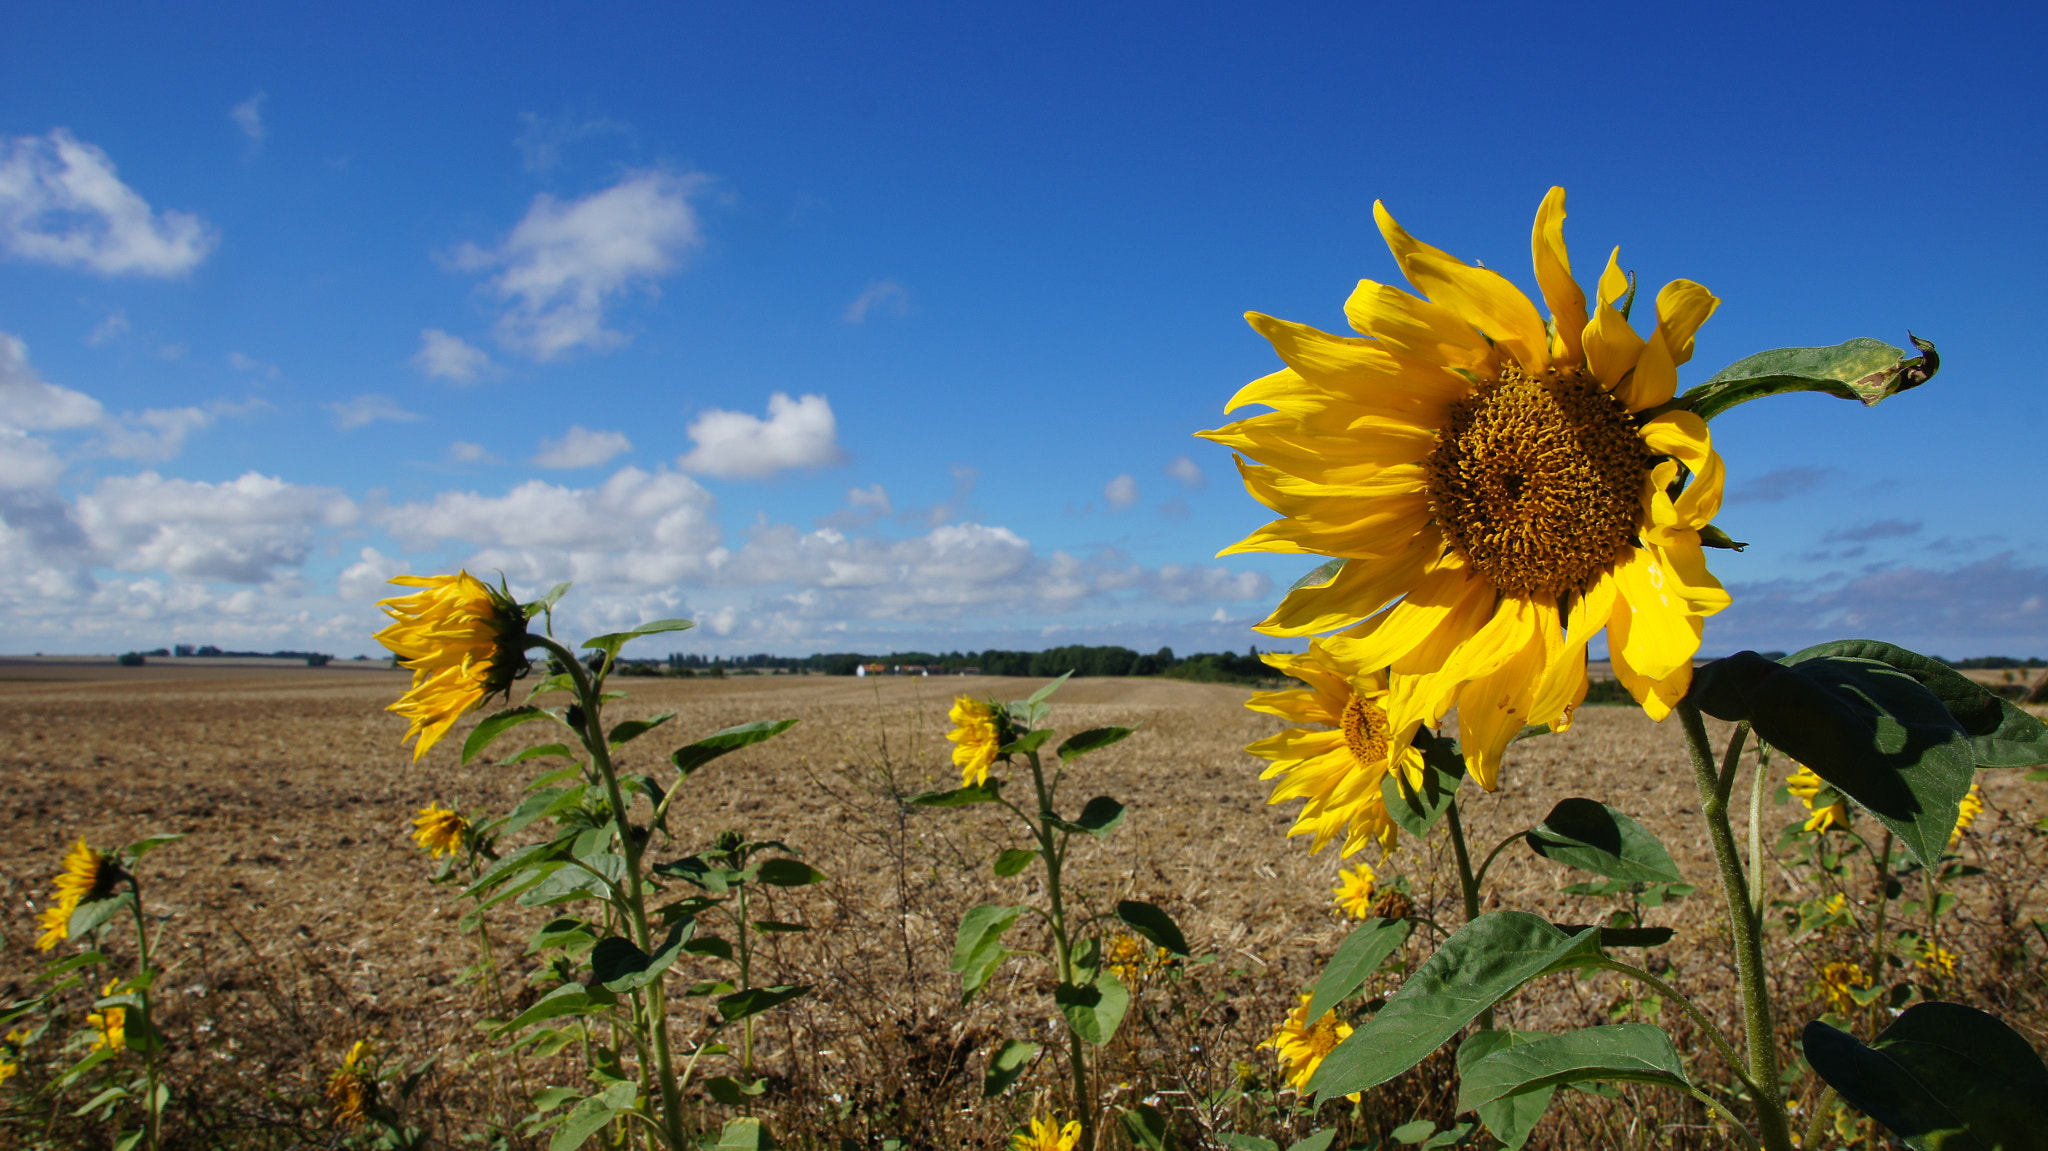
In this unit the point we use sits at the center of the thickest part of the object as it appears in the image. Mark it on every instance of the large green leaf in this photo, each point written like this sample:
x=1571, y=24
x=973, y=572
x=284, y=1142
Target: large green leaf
x=1153, y=923
x=978, y=947
x=1357, y=958
x=696, y=755
x=1865, y=370
x=590, y=1116
x=2001, y=734
x=1511, y=1118
x=1013, y=861
x=1621, y=1053
x=1476, y=968
x=611, y=643
x=755, y=1000
x=1443, y=768
x=1869, y=729
x=1094, y=1010
x=1006, y=1066
x=568, y=999
x=1094, y=739
x=1099, y=817
x=633, y=729
x=745, y=1134
x=1588, y=834
x=620, y=965
x=497, y=724
x=1942, y=1077
x=87, y=917
x=961, y=796
x=782, y=872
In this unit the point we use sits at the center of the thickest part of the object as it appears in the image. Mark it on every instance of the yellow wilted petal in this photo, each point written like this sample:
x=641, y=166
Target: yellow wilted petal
x=1612, y=347
x=1481, y=297
x=1554, y=276
x=1681, y=308
x=1418, y=328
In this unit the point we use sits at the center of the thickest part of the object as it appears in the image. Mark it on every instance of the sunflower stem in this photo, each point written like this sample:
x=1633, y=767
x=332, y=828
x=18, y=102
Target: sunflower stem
x=153, y=1111
x=590, y=693
x=1469, y=882
x=1759, y=1036
x=1063, y=951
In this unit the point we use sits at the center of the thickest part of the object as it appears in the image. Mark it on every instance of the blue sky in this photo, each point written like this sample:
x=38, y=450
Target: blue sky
x=870, y=327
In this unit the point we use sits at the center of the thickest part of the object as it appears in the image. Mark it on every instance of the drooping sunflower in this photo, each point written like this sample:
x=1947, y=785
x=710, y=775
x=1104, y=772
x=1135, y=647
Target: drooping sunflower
x=439, y=830
x=348, y=1089
x=86, y=876
x=109, y=1023
x=1501, y=488
x=1354, y=891
x=1337, y=766
x=464, y=640
x=1045, y=1134
x=1301, y=1047
x=1808, y=787
x=977, y=734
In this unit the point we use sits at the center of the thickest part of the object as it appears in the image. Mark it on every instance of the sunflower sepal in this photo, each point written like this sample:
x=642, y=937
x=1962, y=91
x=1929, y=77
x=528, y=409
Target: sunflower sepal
x=1865, y=370
x=1713, y=537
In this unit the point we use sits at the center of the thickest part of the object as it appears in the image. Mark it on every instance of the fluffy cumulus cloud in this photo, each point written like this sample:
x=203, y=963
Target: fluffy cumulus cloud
x=62, y=203
x=799, y=433
x=580, y=447
x=445, y=357
x=31, y=406
x=240, y=531
x=566, y=262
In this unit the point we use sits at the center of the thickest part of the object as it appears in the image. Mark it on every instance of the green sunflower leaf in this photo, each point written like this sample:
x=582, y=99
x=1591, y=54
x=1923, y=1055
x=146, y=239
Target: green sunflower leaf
x=1869, y=729
x=789, y=873
x=1013, y=861
x=1865, y=370
x=1592, y=836
x=1621, y=1053
x=1099, y=817
x=1357, y=958
x=1094, y=739
x=1152, y=923
x=960, y=796
x=1443, y=768
x=755, y=1000
x=2001, y=734
x=1942, y=1077
x=498, y=723
x=89, y=916
x=1094, y=1010
x=1511, y=1118
x=611, y=643
x=621, y=966
x=690, y=758
x=633, y=729
x=1485, y=962
x=1006, y=1066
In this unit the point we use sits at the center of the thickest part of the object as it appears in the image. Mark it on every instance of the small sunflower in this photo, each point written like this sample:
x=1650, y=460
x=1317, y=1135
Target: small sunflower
x=1354, y=891
x=349, y=1089
x=1132, y=960
x=1338, y=766
x=1501, y=488
x=1045, y=1134
x=1972, y=807
x=440, y=830
x=1839, y=983
x=1301, y=1048
x=1937, y=958
x=87, y=877
x=1808, y=786
x=978, y=733
x=464, y=640
x=111, y=1023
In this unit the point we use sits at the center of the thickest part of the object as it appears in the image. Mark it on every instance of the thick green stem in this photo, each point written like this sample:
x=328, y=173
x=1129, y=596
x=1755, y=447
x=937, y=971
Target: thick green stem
x=1761, y=1039
x=746, y=981
x=590, y=694
x=1063, y=951
x=1468, y=882
x=1756, y=829
x=1878, y=943
x=149, y=1069
x=1818, y=1125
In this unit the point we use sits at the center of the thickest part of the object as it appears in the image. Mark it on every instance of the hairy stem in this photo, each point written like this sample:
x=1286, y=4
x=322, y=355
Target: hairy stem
x=1760, y=1038
x=1469, y=883
x=1063, y=951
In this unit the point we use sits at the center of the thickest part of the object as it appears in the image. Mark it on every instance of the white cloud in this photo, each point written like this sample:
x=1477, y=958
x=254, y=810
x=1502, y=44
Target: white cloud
x=365, y=410
x=445, y=357
x=541, y=143
x=564, y=263
x=873, y=496
x=27, y=461
x=110, y=329
x=248, y=116
x=61, y=203
x=464, y=452
x=880, y=297
x=242, y=363
x=1186, y=471
x=29, y=403
x=158, y=434
x=239, y=531
x=580, y=447
x=1120, y=493
x=800, y=433
x=369, y=578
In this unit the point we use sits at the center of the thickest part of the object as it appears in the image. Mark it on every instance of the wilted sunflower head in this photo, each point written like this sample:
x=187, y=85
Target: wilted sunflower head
x=350, y=1089
x=980, y=729
x=464, y=640
x=87, y=876
x=1501, y=488
x=439, y=831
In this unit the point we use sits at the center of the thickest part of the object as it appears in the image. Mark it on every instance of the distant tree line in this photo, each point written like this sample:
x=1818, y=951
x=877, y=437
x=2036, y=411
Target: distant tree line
x=136, y=658
x=1081, y=659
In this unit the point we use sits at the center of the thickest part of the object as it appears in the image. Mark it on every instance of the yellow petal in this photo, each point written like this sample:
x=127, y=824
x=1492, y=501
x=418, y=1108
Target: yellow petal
x=1482, y=297
x=1564, y=682
x=1344, y=528
x=1612, y=347
x=1554, y=275
x=1383, y=640
x=1493, y=709
x=1336, y=451
x=1356, y=367
x=1419, y=329
x=1359, y=590
x=1658, y=696
x=1681, y=308
x=1658, y=631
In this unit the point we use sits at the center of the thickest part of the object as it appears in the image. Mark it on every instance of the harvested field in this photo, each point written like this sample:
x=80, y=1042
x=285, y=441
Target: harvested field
x=300, y=917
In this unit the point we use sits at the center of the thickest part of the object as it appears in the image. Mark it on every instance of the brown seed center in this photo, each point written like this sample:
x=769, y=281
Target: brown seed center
x=1365, y=731
x=1538, y=482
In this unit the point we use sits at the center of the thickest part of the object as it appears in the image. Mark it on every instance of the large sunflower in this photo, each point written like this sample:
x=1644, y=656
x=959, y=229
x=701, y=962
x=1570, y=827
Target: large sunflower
x=1337, y=766
x=1502, y=488
x=464, y=641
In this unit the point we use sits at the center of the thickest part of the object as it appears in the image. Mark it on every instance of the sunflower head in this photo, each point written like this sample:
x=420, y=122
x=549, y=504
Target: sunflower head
x=1838, y=985
x=439, y=831
x=980, y=729
x=1825, y=805
x=109, y=1024
x=1354, y=891
x=86, y=876
x=1501, y=488
x=464, y=640
x=1339, y=763
x=1302, y=1046
x=1046, y=1134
